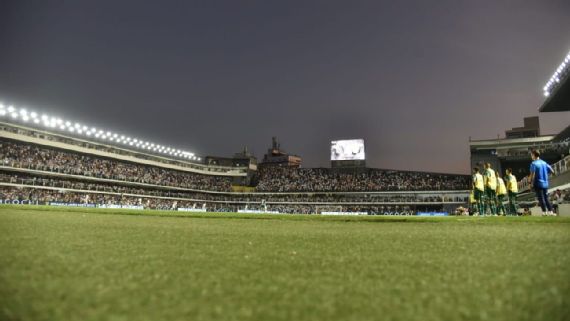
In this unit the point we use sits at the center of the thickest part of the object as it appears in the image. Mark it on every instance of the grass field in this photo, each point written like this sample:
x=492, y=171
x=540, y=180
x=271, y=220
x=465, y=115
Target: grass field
x=78, y=264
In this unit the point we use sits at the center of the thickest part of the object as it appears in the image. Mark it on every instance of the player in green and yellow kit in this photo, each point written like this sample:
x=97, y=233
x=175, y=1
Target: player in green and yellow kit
x=512, y=190
x=490, y=180
x=478, y=190
x=501, y=195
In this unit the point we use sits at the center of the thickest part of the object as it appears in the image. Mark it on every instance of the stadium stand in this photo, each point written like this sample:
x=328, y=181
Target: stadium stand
x=65, y=168
x=288, y=179
x=26, y=156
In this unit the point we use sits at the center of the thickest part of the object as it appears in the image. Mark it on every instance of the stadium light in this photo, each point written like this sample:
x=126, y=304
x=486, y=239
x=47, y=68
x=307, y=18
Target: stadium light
x=26, y=116
x=561, y=71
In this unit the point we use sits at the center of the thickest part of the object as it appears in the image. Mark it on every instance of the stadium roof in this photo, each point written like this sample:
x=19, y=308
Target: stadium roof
x=563, y=135
x=509, y=142
x=559, y=100
x=557, y=89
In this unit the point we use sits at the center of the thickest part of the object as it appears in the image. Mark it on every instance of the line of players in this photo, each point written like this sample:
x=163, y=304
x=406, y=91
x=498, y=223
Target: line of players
x=490, y=190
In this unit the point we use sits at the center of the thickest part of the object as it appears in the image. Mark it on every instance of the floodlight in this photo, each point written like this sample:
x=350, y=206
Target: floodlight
x=11, y=109
x=2, y=112
x=14, y=115
x=34, y=114
x=36, y=121
x=25, y=118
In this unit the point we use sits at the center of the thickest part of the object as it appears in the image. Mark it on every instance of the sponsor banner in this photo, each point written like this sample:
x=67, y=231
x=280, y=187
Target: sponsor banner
x=71, y=204
x=115, y=206
x=344, y=213
x=257, y=212
x=432, y=214
x=19, y=202
x=185, y=209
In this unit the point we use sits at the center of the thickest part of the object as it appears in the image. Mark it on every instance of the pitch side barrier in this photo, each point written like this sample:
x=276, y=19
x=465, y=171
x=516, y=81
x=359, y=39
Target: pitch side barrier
x=65, y=204
x=182, y=209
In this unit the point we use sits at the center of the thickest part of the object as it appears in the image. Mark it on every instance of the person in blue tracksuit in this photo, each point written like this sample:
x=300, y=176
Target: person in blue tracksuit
x=539, y=171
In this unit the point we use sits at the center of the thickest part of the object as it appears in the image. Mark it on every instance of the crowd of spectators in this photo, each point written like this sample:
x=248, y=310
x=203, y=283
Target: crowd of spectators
x=270, y=179
x=25, y=179
x=52, y=160
x=288, y=179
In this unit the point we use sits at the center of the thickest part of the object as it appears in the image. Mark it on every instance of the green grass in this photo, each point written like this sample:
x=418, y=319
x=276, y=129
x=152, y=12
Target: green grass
x=85, y=264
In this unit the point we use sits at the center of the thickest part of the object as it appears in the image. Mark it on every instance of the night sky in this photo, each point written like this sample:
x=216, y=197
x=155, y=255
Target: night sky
x=415, y=79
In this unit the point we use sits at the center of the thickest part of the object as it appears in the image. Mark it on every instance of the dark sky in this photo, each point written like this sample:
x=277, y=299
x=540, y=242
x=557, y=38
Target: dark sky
x=415, y=79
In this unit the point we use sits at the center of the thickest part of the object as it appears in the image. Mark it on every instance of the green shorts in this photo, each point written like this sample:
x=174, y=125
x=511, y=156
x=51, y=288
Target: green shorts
x=477, y=194
x=491, y=193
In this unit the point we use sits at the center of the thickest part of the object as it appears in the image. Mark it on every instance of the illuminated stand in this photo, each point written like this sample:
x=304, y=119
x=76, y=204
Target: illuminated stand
x=348, y=153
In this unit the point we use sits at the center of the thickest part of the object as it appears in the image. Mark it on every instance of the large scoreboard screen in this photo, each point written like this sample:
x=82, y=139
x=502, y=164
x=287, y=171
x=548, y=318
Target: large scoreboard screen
x=351, y=149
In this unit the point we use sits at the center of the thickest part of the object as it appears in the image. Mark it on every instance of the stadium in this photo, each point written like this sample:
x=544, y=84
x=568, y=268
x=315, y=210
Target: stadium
x=77, y=200
x=97, y=224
